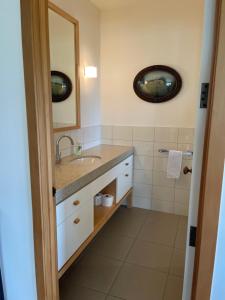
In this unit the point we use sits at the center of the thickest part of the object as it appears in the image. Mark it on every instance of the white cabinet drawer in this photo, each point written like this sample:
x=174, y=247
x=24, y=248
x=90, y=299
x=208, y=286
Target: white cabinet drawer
x=126, y=164
x=124, y=183
x=73, y=232
x=73, y=204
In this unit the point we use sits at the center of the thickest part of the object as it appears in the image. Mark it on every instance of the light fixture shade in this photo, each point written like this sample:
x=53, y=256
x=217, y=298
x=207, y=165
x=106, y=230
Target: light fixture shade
x=90, y=72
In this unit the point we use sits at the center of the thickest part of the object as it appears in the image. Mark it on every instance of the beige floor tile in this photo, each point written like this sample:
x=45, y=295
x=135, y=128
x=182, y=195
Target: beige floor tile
x=134, y=211
x=161, y=217
x=112, y=298
x=112, y=246
x=160, y=228
x=127, y=222
x=174, y=288
x=141, y=277
x=177, y=263
x=183, y=221
x=181, y=238
x=95, y=272
x=150, y=255
x=136, y=282
x=75, y=292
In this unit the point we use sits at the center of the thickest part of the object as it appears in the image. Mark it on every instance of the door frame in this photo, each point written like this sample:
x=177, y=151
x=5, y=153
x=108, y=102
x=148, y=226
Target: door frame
x=34, y=16
x=208, y=212
x=35, y=41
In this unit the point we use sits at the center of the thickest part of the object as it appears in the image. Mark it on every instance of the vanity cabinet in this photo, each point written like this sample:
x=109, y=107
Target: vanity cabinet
x=77, y=218
x=75, y=222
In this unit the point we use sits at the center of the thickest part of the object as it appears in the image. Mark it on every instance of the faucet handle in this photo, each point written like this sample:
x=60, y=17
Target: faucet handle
x=77, y=149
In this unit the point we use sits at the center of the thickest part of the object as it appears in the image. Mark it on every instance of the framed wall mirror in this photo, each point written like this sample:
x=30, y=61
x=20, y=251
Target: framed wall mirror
x=157, y=84
x=64, y=63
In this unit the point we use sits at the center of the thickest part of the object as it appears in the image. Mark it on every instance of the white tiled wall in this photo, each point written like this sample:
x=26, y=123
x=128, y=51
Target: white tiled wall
x=152, y=189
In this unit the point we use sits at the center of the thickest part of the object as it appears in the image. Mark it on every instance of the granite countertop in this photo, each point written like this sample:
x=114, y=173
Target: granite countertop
x=71, y=177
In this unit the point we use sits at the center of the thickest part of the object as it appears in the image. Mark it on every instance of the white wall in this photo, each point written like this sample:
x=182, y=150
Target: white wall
x=218, y=286
x=89, y=18
x=16, y=232
x=146, y=33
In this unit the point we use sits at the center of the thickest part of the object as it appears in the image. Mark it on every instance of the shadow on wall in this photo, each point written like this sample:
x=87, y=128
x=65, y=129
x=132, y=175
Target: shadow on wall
x=1, y=288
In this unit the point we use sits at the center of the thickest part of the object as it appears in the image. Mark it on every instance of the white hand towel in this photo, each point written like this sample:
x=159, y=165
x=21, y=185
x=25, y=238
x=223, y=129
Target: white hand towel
x=174, y=164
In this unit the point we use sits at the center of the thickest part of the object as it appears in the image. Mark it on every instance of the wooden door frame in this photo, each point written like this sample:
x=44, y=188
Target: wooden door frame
x=208, y=213
x=34, y=16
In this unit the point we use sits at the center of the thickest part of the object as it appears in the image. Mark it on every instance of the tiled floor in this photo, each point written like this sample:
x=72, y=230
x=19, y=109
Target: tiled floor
x=139, y=255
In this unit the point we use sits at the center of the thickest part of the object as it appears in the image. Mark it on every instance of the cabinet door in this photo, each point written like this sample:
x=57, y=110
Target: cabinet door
x=66, y=241
x=86, y=224
x=126, y=164
x=124, y=183
x=73, y=204
x=73, y=232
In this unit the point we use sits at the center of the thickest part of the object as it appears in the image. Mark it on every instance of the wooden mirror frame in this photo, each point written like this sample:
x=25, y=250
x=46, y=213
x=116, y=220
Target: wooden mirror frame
x=75, y=22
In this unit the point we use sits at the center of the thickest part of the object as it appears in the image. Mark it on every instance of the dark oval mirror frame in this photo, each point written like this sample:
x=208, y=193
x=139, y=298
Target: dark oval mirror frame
x=69, y=87
x=157, y=99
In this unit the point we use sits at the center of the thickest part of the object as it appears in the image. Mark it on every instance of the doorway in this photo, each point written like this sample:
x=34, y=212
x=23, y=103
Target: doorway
x=50, y=219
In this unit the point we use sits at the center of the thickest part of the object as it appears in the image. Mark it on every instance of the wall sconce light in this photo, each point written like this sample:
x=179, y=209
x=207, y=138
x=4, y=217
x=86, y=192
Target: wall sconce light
x=90, y=72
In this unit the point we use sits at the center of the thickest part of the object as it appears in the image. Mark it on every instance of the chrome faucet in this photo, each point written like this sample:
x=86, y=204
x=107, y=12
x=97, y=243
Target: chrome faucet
x=58, y=153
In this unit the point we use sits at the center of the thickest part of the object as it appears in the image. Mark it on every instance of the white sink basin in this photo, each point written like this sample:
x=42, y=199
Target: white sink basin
x=85, y=159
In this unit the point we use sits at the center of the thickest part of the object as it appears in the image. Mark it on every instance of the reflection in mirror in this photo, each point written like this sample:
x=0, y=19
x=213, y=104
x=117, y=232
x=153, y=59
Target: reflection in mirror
x=157, y=84
x=61, y=86
x=64, y=61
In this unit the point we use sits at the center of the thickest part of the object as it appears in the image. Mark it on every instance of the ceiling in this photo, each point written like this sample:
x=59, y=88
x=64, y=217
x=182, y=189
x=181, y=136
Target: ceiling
x=113, y=4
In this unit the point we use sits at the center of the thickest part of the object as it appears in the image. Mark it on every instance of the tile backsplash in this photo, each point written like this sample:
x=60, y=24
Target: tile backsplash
x=152, y=189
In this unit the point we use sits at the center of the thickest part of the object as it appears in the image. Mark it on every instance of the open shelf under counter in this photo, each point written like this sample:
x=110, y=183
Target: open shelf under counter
x=101, y=214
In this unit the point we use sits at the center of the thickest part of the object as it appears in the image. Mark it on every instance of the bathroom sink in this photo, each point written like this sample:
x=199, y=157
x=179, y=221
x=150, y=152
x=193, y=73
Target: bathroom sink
x=84, y=159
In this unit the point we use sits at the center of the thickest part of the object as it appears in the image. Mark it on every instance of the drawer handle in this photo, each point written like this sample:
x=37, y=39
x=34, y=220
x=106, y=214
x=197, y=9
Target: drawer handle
x=77, y=202
x=76, y=221
x=126, y=164
x=127, y=175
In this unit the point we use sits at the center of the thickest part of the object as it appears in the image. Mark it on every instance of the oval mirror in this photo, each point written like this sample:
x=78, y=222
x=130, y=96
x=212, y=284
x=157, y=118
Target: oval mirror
x=61, y=86
x=157, y=84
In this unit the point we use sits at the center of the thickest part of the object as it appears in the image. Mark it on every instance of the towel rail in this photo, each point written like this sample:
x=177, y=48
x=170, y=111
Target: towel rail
x=188, y=153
